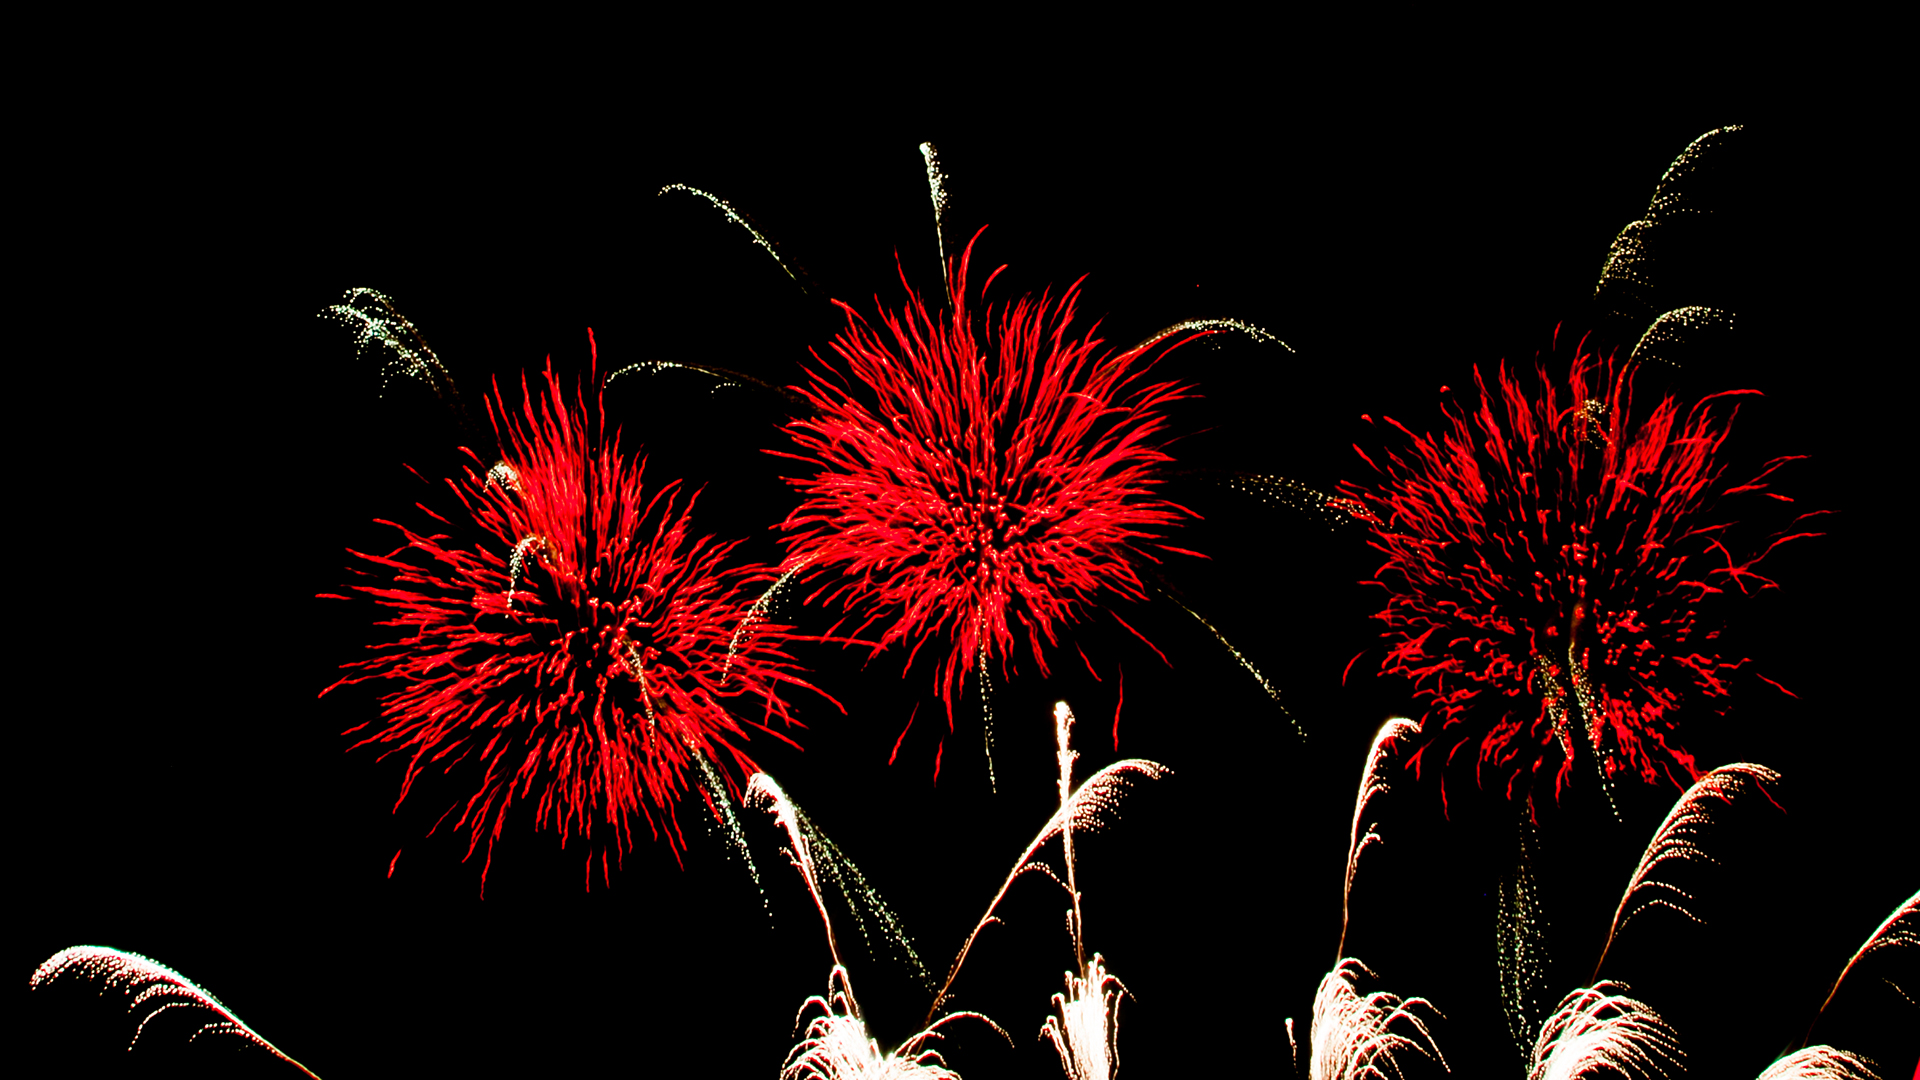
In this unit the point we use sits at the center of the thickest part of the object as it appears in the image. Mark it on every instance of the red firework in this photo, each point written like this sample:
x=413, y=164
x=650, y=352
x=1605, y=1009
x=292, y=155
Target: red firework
x=1552, y=569
x=978, y=475
x=582, y=652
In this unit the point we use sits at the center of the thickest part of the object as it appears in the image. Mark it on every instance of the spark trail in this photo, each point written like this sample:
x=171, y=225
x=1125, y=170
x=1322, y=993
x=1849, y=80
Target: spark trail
x=150, y=986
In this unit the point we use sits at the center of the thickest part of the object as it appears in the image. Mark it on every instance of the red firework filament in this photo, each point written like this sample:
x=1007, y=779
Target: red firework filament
x=974, y=478
x=1551, y=572
x=582, y=650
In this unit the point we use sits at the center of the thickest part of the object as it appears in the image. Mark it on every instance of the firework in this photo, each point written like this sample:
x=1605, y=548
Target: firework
x=980, y=476
x=1087, y=809
x=151, y=988
x=1599, y=1030
x=836, y=1044
x=1678, y=841
x=1374, y=782
x=579, y=651
x=1086, y=1033
x=1552, y=569
x=1628, y=286
x=812, y=853
x=1900, y=931
x=1820, y=1063
x=1374, y=1036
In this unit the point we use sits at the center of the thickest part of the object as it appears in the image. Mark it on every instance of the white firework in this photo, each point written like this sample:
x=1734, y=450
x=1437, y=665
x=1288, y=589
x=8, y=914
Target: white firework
x=1598, y=1031
x=1373, y=1036
x=1820, y=1063
x=151, y=989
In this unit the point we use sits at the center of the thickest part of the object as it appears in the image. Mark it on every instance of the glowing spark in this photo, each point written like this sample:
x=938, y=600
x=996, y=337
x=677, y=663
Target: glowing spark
x=1329, y=510
x=1273, y=692
x=739, y=219
x=150, y=985
x=1208, y=326
x=986, y=713
x=1820, y=1063
x=723, y=377
x=937, y=188
x=1598, y=1030
x=1366, y=1037
x=1628, y=259
x=723, y=806
x=1675, y=326
x=1373, y=782
x=1678, y=840
x=370, y=314
x=1520, y=945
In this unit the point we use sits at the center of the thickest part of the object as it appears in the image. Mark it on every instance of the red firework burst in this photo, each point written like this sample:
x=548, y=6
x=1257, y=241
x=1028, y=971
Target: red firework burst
x=582, y=652
x=978, y=475
x=1552, y=568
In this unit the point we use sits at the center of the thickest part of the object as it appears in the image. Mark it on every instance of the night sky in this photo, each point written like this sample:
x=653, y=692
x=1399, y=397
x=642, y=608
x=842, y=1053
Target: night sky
x=186, y=796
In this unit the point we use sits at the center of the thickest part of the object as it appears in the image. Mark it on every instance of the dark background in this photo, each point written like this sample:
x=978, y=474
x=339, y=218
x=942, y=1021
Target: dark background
x=216, y=446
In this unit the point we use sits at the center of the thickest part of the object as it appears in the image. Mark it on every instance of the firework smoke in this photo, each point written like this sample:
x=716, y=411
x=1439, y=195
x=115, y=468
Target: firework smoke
x=579, y=650
x=151, y=989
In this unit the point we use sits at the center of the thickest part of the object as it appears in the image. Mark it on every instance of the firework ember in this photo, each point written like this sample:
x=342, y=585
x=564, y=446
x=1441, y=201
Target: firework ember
x=579, y=649
x=1553, y=563
x=982, y=476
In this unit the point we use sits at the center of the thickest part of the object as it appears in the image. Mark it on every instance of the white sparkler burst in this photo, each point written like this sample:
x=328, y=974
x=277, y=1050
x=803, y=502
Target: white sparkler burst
x=1085, y=810
x=150, y=986
x=1600, y=1031
x=1820, y=1063
x=1678, y=842
x=1372, y=1036
x=838, y=1047
x=1373, y=782
x=1086, y=1033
